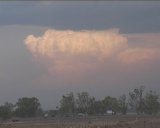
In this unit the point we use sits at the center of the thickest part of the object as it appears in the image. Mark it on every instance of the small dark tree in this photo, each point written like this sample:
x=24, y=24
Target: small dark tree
x=85, y=103
x=98, y=108
x=111, y=103
x=91, y=106
x=136, y=100
x=27, y=107
x=6, y=110
x=123, y=105
x=67, y=104
x=152, y=103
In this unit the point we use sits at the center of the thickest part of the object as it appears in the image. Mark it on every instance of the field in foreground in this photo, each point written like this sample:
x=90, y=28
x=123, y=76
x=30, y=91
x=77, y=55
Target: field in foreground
x=129, y=121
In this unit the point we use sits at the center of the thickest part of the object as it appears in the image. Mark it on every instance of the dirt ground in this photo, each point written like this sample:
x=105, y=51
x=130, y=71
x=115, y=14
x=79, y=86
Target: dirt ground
x=132, y=121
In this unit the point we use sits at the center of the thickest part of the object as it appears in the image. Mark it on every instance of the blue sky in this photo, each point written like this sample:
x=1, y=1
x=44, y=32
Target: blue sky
x=130, y=56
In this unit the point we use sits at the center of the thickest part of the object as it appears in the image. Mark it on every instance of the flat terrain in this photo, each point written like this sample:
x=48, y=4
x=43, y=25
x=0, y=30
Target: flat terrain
x=128, y=121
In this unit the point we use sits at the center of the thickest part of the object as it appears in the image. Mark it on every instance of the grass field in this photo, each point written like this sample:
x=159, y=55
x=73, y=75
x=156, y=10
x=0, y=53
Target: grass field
x=131, y=121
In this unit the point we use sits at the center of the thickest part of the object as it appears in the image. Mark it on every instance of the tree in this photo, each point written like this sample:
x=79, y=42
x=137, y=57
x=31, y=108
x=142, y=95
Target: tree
x=98, y=108
x=39, y=112
x=111, y=103
x=6, y=110
x=136, y=100
x=27, y=107
x=67, y=104
x=123, y=105
x=91, y=106
x=84, y=103
x=152, y=103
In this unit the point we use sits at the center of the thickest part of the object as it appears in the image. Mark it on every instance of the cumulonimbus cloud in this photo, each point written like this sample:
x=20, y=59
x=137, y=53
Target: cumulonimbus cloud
x=71, y=50
x=100, y=44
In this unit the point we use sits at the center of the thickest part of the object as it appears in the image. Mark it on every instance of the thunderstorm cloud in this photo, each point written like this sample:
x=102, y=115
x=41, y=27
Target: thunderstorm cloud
x=100, y=44
x=75, y=51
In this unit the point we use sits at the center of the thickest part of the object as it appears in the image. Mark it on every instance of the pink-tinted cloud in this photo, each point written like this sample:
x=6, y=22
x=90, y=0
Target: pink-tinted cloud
x=76, y=51
x=134, y=55
x=100, y=44
x=143, y=47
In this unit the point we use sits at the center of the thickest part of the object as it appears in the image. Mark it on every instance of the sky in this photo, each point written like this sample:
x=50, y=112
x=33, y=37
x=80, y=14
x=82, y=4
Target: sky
x=51, y=48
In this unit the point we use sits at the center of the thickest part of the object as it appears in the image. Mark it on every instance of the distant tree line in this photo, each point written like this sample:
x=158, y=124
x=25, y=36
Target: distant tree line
x=137, y=101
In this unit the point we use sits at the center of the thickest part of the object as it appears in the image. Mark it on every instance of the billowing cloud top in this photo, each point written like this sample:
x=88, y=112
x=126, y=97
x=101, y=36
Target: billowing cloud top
x=100, y=44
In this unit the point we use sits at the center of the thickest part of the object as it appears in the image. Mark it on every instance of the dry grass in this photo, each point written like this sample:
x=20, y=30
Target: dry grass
x=96, y=122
